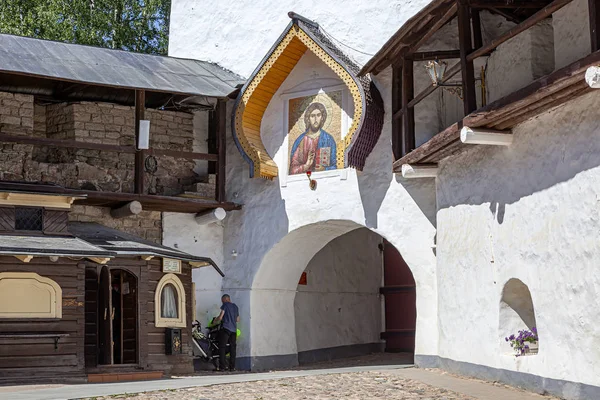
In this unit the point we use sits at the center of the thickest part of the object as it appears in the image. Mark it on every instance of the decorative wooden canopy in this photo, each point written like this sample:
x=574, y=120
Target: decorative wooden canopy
x=302, y=35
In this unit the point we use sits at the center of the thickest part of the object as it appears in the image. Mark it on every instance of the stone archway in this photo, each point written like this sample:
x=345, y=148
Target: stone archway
x=273, y=329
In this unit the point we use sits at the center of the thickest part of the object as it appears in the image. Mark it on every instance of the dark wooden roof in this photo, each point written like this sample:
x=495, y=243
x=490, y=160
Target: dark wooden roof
x=419, y=28
x=545, y=93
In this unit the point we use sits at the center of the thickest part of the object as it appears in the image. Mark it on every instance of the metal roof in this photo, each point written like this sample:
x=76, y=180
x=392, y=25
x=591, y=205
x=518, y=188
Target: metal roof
x=125, y=244
x=50, y=246
x=115, y=68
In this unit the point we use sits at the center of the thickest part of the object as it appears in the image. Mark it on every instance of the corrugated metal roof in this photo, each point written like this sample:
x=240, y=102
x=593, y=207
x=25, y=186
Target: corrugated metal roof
x=117, y=68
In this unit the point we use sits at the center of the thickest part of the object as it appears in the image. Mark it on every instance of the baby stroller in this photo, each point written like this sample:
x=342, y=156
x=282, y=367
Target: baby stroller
x=207, y=345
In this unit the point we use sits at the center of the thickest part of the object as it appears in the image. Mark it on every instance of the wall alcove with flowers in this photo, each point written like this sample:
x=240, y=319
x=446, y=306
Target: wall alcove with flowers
x=517, y=325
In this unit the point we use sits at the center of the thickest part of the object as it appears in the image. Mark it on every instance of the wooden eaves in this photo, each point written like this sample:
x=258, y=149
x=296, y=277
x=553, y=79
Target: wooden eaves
x=543, y=94
x=118, y=199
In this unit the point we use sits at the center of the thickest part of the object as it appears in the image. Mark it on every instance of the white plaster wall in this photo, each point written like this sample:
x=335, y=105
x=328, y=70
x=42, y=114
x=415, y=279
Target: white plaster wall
x=521, y=60
x=270, y=261
x=340, y=304
x=529, y=211
x=261, y=280
x=237, y=35
x=571, y=33
x=182, y=232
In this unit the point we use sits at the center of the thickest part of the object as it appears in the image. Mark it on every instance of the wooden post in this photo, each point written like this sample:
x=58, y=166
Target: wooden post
x=477, y=35
x=594, y=10
x=221, y=113
x=396, y=106
x=467, y=69
x=212, y=140
x=408, y=117
x=140, y=106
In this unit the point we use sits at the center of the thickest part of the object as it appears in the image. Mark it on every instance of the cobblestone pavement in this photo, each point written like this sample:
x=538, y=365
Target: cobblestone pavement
x=353, y=386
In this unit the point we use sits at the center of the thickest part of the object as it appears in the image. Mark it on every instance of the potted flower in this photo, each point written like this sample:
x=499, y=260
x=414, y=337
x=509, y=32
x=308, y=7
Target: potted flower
x=526, y=342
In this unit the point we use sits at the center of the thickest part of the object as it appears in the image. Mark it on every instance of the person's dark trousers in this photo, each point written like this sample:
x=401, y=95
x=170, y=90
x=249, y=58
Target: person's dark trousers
x=227, y=337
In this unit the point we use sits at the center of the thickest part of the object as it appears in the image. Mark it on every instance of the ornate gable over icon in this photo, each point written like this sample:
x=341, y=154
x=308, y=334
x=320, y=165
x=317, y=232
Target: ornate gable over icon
x=302, y=35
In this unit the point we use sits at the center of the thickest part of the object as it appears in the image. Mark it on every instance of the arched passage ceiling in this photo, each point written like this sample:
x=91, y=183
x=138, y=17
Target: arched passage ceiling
x=302, y=35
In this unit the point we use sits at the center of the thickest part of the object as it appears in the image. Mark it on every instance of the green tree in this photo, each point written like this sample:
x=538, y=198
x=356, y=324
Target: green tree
x=134, y=25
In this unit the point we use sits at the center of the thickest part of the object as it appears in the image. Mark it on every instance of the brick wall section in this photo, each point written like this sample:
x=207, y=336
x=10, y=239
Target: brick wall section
x=16, y=113
x=147, y=224
x=94, y=123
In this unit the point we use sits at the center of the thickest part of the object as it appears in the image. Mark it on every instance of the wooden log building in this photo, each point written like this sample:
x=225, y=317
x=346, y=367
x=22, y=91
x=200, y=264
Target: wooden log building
x=87, y=290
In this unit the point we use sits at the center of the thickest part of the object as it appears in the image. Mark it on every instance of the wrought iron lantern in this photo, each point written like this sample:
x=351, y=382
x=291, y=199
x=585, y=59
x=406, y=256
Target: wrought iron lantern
x=436, y=71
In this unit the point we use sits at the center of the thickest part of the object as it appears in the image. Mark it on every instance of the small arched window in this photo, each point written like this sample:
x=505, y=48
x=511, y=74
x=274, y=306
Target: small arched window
x=169, y=303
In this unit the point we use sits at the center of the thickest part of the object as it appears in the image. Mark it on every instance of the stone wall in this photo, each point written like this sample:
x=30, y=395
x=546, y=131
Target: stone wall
x=147, y=224
x=89, y=122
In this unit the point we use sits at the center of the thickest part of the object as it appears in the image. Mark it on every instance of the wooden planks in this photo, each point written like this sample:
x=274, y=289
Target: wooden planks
x=545, y=93
x=26, y=344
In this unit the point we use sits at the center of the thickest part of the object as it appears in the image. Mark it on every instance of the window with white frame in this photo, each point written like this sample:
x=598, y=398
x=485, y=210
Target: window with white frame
x=169, y=303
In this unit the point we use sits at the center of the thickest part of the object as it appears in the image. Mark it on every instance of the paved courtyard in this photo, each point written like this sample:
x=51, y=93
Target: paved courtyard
x=405, y=384
x=381, y=376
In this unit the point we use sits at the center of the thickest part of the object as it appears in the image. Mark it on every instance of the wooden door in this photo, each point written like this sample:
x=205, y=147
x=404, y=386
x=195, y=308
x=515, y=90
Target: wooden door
x=105, y=346
x=129, y=318
x=400, y=302
x=91, y=317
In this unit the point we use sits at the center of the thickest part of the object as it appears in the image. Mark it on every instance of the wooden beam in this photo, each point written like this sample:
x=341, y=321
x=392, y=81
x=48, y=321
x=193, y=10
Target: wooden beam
x=188, y=155
x=594, y=12
x=6, y=137
x=408, y=117
x=466, y=47
x=100, y=260
x=522, y=27
x=447, y=16
x=434, y=55
x=507, y=4
x=140, y=107
x=221, y=112
x=24, y=258
x=128, y=210
x=147, y=258
x=212, y=140
x=396, y=107
x=477, y=35
x=450, y=72
x=506, y=14
x=72, y=144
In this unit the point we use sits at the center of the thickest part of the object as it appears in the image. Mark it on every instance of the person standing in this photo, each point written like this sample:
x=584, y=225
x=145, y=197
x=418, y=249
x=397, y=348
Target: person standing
x=230, y=316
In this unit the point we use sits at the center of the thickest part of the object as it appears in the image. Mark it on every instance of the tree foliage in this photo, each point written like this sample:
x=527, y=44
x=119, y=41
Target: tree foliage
x=134, y=25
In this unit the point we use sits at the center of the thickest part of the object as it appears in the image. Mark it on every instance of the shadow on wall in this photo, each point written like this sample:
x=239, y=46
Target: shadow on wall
x=548, y=150
x=375, y=180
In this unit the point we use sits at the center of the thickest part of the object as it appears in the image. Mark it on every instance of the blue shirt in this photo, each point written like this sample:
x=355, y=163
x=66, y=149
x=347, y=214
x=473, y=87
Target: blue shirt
x=230, y=316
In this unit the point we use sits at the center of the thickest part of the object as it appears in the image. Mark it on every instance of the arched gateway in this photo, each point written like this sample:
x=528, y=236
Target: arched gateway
x=336, y=310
